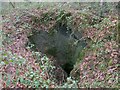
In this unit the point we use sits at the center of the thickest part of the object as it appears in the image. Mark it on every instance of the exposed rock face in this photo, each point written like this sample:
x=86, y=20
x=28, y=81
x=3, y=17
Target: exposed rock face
x=60, y=43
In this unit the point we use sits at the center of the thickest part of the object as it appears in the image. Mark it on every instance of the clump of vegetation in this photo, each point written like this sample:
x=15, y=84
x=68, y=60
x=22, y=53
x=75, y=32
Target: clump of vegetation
x=18, y=72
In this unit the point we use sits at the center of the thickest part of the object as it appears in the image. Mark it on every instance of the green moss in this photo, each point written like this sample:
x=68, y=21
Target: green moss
x=118, y=33
x=46, y=17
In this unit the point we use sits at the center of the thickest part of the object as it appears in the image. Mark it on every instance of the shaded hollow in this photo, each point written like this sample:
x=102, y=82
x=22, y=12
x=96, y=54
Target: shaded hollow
x=59, y=43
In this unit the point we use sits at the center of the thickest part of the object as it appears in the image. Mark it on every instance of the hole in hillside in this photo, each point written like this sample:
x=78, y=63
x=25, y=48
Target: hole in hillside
x=68, y=67
x=59, y=43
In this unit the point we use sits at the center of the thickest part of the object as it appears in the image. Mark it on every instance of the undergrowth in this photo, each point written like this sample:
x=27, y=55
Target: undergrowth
x=96, y=66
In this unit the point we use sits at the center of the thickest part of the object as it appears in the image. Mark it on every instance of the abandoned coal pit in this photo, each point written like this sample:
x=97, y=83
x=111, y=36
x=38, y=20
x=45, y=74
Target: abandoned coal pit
x=61, y=43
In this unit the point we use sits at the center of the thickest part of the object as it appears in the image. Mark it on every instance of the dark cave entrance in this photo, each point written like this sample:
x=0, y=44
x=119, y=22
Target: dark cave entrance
x=59, y=43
